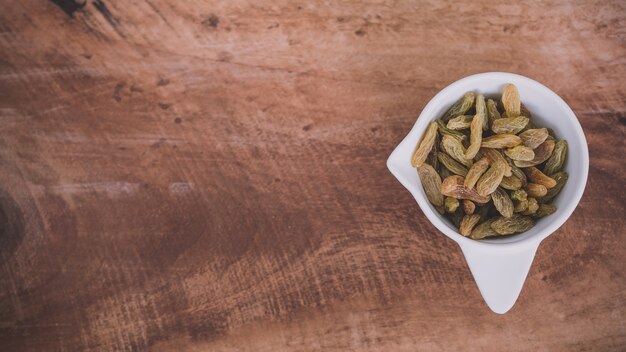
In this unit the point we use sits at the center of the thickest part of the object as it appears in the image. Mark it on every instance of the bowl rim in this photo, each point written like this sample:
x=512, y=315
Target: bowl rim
x=524, y=243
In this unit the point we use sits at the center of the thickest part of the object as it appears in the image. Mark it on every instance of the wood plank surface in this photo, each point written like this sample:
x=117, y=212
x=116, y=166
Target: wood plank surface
x=210, y=176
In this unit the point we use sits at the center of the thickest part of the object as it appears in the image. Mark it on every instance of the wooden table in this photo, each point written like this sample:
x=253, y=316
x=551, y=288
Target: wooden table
x=210, y=176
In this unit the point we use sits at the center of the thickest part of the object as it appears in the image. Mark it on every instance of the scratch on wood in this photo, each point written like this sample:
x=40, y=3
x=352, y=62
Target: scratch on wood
x=158, y=12
x=53, y=109
x=112, y=188
x=145, y=139
x=66, y=137
x=180, y=187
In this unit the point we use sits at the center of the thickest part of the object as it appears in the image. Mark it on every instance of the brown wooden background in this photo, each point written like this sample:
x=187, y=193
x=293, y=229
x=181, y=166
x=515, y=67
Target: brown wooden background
x=210, y=176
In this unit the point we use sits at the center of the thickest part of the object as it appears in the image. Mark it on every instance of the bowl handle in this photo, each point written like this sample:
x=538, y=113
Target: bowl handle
x=499, y=273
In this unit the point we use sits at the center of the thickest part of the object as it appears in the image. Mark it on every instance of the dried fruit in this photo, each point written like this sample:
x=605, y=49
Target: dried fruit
x=460, y=107
x=468, y=223
x=491, y=186
x=502, y=202
x=524, y=113
x=504, y=140
x=520, y=206
x=511, y=100
x=536, y=176
x=431, y=182
x=515, y=224
x=544, y=210
x=460, y=122
x=475, y=172
x=481, y=110
x=476, y=128
x=491, y=179
x=468, y=206
x=520, y=195
x=432, y=156
x=511, y=183
x=424, y=147
x=483, y=230
x=521, y=201
x=454, y=148
x=517, y=172
x=451, y=204
x=532, y=207
x=451, y=164
x=533, y=137
x=492, y=112
x=555, y=162
x=509, y=124
x=494, y=155
x=520, y=153
x=561, y=179
x=536, y=190
x=453, y=187
x=542, y=153
x=445, y=131
x=529, y=126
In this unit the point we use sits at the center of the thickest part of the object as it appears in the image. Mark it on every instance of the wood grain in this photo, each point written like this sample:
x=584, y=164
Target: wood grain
x=210, y=176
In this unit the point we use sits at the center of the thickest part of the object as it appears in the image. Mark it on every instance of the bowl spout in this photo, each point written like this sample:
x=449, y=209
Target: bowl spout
x=499, y=274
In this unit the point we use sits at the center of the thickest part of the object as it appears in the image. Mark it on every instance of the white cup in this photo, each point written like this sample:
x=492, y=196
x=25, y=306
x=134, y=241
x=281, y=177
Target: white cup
x=500, y=265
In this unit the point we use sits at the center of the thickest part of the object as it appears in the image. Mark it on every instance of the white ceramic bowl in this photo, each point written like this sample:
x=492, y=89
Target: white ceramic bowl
x=500, y=265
